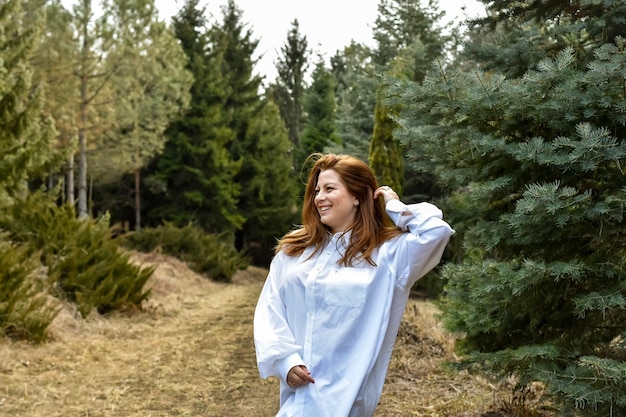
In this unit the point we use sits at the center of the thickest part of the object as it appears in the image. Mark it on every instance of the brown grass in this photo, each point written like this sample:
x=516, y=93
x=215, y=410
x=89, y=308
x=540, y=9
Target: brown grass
x=191, y=354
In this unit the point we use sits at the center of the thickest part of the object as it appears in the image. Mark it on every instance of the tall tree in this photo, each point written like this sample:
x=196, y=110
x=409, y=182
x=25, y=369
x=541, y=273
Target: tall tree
x=269, y=198
x=242, y=102
x=234, y=41
x=53, y=62
x=508, y=40
x=385, y=153
x=193, y=180
x=356, y=82
x=288, y=91
x=151, y=89
x=532, y=165
x=26, y=133
x=400, y=22
x=409, y=36
x=319, y=105
x=95, y=40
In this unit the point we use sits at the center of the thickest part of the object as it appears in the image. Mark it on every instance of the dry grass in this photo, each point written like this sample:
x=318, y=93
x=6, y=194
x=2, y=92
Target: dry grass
x=191, y=354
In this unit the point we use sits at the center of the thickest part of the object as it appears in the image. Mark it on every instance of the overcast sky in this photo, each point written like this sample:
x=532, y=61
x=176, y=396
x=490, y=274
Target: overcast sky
x=329, y=25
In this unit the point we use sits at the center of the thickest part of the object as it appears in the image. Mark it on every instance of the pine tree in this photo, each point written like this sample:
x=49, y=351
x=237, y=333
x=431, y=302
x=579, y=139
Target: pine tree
x=94, y=40
x=533, y=171
x=53, y=62
x=151, y=89
x=26, y=133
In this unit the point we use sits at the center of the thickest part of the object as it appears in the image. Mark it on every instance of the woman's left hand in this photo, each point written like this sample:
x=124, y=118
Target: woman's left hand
x=386, y=192
x=299, y=376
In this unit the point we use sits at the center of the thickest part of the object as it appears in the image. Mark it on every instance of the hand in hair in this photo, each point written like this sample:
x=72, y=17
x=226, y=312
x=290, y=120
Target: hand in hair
x=386, y=192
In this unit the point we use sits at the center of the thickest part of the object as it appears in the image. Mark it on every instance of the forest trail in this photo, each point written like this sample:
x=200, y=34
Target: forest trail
x=191, y=353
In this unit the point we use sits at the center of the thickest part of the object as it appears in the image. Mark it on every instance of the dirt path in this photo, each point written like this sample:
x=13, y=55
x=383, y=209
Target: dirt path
x=192, y=354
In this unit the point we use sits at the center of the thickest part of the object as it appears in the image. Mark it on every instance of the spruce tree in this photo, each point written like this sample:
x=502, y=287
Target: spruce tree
x=408, y=37
x=400, y=22
x=193, y=180
x=356, y=81
x=269, y=197
x=319, y=105
x=234, y=41
x=533, y=171
x=288, y=89
x=242, y=105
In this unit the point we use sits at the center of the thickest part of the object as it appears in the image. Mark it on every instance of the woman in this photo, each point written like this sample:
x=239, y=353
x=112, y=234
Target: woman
x=329, y=312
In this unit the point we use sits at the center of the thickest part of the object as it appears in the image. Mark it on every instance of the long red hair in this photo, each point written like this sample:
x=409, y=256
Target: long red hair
x=372, y=226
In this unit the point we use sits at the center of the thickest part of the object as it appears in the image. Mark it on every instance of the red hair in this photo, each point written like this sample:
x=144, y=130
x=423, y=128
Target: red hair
x=371, y=227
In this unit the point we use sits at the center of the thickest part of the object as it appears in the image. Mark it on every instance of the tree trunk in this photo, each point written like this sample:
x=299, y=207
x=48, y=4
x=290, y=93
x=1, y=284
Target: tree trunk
x=82, y=174
x=82, y=143
x=137, y=200
x=69, y=178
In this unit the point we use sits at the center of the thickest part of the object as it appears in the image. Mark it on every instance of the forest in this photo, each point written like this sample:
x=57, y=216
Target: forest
x=121, y=132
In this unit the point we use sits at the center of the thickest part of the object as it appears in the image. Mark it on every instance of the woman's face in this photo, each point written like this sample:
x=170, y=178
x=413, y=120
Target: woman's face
x=335, y=205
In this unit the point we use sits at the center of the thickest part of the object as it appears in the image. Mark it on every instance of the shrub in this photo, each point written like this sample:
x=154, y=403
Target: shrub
x=204, y=253
x=26, y=310
x=84, y=263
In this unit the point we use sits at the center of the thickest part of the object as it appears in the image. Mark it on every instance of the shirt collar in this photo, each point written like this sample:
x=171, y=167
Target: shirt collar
x=340, y=239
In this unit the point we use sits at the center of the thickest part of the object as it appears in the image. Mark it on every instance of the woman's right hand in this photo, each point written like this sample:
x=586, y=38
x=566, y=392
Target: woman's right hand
x=386, y=192
x=299, y=376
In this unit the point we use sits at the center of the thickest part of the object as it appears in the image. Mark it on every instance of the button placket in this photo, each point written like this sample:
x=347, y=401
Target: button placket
x=311, y=283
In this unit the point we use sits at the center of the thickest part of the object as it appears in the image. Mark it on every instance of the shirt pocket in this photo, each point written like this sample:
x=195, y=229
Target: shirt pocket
x=347, y=287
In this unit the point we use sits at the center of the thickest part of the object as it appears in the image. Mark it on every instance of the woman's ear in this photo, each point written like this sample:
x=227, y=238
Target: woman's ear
x=356, y=202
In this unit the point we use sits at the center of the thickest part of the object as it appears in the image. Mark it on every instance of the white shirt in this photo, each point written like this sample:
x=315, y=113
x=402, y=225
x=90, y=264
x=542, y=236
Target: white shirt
x=342, y=322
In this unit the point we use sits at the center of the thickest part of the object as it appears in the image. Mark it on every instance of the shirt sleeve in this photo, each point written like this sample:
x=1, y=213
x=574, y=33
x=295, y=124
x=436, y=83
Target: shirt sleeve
x=421, y=249
x=276, y=349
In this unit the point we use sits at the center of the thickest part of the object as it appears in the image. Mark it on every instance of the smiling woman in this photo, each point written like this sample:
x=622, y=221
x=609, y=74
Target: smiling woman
x=329, y=312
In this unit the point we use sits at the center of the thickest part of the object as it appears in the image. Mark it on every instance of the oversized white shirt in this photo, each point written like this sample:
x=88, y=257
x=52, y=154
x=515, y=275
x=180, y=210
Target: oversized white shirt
x=342, y=322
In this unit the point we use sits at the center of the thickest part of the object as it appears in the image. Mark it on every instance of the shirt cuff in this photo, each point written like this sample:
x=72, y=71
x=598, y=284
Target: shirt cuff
x=285, y=365
x=395, y=206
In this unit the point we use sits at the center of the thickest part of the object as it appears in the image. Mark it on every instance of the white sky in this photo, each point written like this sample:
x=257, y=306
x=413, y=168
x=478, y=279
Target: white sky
x=328, y=25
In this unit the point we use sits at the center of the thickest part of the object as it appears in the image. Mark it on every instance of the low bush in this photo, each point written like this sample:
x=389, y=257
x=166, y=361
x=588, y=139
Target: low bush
x=205, y=253
x=26, y=310
x=83, y=262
